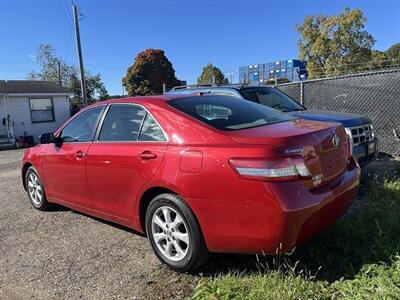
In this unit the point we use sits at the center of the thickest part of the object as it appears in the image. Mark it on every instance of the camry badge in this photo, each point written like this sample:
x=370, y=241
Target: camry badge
x=335, y=140
x=294, y=150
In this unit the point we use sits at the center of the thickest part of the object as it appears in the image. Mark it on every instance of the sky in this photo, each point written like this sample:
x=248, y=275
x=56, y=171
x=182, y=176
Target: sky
x=229, y=34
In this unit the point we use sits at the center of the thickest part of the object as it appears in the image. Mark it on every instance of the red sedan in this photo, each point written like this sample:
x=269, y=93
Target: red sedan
x=197, y=174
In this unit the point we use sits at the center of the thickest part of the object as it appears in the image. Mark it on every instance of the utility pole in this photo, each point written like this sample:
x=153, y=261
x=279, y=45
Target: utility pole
x=78, y=46
x=59, y=73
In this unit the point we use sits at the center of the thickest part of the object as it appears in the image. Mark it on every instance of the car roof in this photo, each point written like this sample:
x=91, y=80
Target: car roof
x=158, y=99
x=236, y=87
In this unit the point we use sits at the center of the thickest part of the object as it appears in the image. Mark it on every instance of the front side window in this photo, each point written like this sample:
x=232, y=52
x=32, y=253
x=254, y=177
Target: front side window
x=82, y=127
x=41, y=110
x=222, y=113
x=271, y=97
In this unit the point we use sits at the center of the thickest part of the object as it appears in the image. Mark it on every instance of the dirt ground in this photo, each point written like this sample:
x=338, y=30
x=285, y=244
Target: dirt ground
x=64, y=254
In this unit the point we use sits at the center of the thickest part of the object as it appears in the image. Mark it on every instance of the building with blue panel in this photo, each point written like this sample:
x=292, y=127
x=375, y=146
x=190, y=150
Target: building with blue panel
x=292, y=69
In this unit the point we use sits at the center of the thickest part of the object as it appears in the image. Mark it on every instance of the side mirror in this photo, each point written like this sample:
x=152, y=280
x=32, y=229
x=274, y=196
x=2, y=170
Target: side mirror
x=47, y=138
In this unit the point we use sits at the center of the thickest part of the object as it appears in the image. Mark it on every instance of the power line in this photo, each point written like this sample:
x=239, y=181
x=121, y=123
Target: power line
x=69, y=44
x=69, y=20
x=67, y=9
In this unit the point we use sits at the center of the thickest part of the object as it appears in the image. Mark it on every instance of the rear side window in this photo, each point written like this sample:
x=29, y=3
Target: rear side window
x=129, y=123
x=151, y=131
x=122, y=123
x=227, y=113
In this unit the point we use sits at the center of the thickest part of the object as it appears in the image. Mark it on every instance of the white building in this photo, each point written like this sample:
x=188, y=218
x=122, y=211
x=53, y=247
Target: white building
x=30, y=108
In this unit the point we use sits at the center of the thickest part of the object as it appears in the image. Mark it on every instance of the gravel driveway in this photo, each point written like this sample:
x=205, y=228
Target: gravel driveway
x=64, y=254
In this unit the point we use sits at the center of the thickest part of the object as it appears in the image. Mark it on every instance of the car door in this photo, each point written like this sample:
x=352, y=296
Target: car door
x=128, y=151
x=64, y=163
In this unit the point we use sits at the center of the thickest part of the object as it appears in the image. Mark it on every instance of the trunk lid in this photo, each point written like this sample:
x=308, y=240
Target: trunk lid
x=323, y=146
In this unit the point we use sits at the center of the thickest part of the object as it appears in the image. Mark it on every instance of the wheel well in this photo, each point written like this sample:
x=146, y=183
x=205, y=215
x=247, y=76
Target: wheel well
x=24, y=170
x=149, y=195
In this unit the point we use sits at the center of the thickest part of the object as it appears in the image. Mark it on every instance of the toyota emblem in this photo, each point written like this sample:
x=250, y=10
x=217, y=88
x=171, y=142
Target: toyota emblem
x=335, y=140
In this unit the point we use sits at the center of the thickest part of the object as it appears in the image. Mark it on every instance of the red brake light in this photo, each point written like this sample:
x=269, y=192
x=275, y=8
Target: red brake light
x=281, y=169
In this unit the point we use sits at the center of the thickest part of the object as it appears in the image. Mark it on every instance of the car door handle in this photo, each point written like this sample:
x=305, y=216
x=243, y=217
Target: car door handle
x=79, y=154
x=147, y=155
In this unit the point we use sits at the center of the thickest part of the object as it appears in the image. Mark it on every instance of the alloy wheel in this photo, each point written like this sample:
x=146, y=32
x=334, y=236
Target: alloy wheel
x=35, y=189
x=170, y=233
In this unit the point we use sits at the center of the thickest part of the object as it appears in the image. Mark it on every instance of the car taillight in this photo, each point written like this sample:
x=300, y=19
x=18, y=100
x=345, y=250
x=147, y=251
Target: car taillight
x=271, y=169
x=349, y=142
x=348, y=148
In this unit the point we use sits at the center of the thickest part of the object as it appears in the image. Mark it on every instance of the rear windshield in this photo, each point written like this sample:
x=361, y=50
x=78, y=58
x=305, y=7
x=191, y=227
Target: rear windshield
x=228, y=113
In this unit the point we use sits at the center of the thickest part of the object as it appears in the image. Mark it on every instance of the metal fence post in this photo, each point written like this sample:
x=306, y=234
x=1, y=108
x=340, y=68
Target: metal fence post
x=301, y=92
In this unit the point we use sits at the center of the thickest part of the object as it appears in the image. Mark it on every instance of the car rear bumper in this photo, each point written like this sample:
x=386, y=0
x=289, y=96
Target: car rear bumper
x=276, y=216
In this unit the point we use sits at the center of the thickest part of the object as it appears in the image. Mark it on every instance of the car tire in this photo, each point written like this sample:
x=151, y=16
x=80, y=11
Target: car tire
x=35, y=190
x=176, y=240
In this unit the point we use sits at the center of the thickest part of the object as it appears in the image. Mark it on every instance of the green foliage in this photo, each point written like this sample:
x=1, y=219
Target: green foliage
x=357, y=259
x=385, y=59
x=49, y=62
x=393, y=53
x=94, y=87
x=274, y=285
x=212, y=75
x=148, y=73
x=333, y=45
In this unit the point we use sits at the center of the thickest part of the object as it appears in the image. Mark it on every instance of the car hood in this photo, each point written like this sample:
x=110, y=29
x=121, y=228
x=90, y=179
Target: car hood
x=348, y=120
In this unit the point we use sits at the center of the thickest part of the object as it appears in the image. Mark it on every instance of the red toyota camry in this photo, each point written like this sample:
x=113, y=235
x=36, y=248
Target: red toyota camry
x=197, y=174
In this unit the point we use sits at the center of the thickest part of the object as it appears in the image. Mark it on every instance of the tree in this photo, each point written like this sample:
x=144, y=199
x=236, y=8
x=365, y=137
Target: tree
x=49, y=67
x=333, y=45
x=212, y=75
x=393, y=54
x=148, y=73
x=69, y=76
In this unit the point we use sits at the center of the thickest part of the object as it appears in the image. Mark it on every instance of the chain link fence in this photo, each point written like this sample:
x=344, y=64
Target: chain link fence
x=373, y=94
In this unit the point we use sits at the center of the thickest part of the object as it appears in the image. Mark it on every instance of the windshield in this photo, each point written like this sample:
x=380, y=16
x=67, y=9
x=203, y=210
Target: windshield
x=271, y=97
x=225, y=113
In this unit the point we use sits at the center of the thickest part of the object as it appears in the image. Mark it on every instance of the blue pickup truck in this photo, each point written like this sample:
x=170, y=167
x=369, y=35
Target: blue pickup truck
x=359, y=128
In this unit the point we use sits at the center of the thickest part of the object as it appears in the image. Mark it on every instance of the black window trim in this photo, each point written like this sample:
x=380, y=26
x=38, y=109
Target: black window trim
x=52, y=110
x=104, y=115
x=103, y=108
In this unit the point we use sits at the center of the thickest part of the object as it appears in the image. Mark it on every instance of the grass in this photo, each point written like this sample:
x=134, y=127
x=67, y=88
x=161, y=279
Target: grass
x=359, y=258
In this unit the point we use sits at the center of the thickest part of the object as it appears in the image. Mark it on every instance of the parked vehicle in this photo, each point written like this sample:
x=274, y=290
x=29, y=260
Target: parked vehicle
x=359, y=128
x=197, y=174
